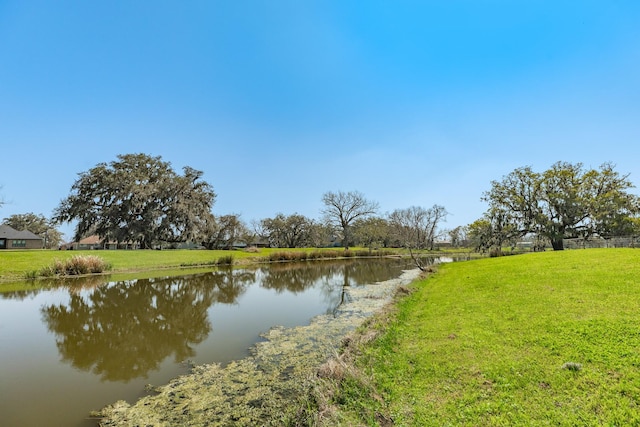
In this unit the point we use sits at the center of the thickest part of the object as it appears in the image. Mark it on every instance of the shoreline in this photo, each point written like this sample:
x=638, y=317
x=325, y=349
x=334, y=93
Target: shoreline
x=265, y=387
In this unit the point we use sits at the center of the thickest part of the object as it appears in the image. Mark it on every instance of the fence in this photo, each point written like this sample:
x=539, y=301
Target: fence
x=613, y=242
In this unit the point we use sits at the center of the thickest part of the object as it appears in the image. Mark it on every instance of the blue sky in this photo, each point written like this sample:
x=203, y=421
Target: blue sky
x=409, y=102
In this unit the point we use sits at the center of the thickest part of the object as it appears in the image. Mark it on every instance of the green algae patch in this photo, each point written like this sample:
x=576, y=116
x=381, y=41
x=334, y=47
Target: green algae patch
x=265, y=388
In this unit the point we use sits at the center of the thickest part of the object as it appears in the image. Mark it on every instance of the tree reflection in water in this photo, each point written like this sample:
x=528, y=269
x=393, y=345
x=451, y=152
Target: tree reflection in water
x=334, y=277
x=123, y=330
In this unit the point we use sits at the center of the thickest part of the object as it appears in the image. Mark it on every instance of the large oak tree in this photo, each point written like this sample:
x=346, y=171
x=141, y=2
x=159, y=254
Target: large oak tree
x=562, y=202
x=138, y=198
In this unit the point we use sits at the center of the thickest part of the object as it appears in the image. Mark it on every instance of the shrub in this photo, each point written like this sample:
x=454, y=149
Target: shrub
x=76, y=265
x=225, y=260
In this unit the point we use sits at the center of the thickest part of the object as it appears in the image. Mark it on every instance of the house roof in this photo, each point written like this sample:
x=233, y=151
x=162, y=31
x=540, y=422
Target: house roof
x=91, y=240
x=7, y=232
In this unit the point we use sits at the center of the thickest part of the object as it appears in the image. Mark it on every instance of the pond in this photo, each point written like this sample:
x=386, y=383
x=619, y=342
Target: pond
x=82, y=344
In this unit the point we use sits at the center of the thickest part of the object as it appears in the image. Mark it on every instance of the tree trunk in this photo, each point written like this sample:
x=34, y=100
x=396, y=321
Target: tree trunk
x=557, y=244
x=416, y=260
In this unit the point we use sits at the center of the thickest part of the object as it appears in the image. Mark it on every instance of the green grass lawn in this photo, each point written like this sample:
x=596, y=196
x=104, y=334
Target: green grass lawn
x=15, y=264
x=538, y=339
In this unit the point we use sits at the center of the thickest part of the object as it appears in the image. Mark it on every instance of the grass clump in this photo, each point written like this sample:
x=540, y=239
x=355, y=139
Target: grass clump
x=572, y=366
x=287, y=256
x=225, y=260
x=31, y=274
x=480, y=343
x=75, y=266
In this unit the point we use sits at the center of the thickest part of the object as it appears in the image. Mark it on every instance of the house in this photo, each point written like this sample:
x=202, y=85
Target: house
x=91, y=242
x=14, y=239
x=96, y=242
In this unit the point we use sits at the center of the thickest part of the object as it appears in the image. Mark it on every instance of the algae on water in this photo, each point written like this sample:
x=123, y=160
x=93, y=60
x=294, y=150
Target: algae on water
x=260, y=389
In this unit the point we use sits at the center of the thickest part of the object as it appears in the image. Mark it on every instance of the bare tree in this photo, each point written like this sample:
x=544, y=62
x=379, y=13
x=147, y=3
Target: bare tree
x=258, y=232
x=458, y=236
x=435, y=215
x=341, y=209
x=416, y=227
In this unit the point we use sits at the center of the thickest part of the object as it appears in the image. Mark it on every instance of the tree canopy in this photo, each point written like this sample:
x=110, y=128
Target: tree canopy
x=138, y=198
x=287, y=231
x=564, y=201
x=372, y=231
x=223, y=231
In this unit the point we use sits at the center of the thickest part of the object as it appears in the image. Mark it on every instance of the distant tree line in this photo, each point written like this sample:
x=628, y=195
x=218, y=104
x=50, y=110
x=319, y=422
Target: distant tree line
x=140, y=199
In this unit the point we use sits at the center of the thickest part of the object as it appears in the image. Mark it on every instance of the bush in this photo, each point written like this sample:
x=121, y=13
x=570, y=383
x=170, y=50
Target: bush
x=225, y=260
x=76, y=265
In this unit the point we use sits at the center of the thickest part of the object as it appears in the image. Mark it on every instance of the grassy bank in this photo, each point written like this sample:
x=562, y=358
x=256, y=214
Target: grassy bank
x=15, y=265
x=539, y=339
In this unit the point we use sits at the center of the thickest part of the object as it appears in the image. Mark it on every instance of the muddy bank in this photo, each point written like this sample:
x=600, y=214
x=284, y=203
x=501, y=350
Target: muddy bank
x=263, y=388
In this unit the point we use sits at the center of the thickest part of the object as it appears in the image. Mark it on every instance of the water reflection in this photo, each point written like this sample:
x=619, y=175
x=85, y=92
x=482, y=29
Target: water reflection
x=125, y=329
x=101, y=342
x=296, y=277
x=334, y=277
x=43, y=285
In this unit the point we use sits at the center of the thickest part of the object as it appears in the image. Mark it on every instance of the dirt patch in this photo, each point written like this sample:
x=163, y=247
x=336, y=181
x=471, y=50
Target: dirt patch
x=265, y=388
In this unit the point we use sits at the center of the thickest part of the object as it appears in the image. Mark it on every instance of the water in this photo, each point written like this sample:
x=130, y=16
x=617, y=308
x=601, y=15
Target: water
x=84, y=344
